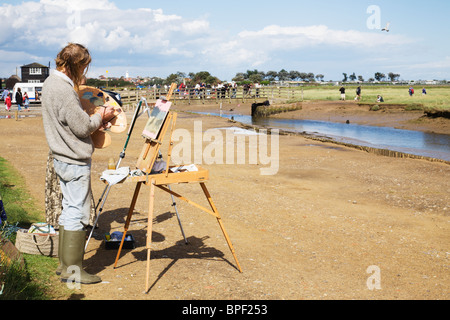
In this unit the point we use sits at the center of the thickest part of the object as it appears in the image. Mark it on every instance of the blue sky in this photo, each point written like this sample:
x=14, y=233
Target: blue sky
x=154, y=38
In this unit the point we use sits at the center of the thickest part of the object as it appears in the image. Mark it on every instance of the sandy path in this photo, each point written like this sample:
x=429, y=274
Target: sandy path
x=309, y=232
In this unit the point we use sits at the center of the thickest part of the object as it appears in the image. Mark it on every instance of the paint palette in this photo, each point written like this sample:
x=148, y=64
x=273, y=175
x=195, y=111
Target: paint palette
x=92, y=99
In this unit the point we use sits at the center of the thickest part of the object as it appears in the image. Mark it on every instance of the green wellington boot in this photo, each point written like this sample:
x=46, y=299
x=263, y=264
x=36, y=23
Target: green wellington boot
x=73, y=253
x=61, y=266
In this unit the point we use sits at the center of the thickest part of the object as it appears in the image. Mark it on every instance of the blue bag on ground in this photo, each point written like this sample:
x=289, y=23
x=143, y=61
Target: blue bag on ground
x=2, y=211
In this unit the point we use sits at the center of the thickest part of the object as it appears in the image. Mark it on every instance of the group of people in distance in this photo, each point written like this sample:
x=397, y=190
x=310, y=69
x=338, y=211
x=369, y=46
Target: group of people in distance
x=203, y=90
x=342, y=90
x=22, y=100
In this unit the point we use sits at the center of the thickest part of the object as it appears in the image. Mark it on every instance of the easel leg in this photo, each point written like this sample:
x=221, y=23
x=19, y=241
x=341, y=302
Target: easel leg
x=127, y=223
x=149, y=232
x=174, y=204
x=219, y=220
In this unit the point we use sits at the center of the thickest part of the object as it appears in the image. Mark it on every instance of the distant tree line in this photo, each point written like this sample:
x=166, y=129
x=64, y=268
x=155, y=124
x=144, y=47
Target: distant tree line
x=251, y=76
x=190, y=79
x=110, y=83
x=255, y=76
x=379, y=76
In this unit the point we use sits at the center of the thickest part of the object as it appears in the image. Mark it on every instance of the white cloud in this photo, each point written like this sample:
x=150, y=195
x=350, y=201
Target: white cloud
x=296, y=37
x=80, y=4
x=100, y=25
x=151, y=39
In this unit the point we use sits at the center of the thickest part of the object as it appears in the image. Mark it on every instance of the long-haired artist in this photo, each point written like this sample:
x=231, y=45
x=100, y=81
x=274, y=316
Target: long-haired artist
x=68, y=131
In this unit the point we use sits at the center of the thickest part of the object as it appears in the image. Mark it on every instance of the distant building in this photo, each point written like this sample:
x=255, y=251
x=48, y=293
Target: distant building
x=35, y=73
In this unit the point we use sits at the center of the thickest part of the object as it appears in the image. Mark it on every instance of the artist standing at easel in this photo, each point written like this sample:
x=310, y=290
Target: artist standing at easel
x=68, y=131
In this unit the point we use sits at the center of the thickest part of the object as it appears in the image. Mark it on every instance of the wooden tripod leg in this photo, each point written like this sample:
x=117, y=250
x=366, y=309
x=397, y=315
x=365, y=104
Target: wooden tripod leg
x=127, y=223
x=219, y=220
x=149, y=232
x=169, y=153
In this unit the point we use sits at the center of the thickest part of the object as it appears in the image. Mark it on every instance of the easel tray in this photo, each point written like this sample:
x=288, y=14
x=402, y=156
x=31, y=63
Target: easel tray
x=164, y=178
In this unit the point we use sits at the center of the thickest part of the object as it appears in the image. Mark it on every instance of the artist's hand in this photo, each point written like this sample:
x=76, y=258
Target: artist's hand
x=105, y=126
x=107, y=113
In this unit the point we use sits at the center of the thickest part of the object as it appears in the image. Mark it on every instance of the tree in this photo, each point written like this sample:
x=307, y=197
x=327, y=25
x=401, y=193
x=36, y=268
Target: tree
x=271, y=75
x=352, y=77
x=212, y=80
x=253, y=73
x=200, y=77
x=283, y=75
x=181, y=76
x=345, y=77
x=294, y=75
x=256, y=78
x=310, y=77
x=393, y=76
x=239, y=77
x=173, y=78
x=320, y=77
x=380, y=76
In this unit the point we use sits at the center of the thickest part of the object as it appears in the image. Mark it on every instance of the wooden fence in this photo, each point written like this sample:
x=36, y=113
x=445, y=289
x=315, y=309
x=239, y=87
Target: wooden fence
x=274, y=94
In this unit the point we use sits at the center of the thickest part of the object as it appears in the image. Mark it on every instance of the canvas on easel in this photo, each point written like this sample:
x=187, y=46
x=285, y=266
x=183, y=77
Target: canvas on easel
x=154, y=132
x=156, y=120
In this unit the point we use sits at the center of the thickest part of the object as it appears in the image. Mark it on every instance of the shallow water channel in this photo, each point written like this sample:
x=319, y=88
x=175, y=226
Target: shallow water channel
x=412, y=142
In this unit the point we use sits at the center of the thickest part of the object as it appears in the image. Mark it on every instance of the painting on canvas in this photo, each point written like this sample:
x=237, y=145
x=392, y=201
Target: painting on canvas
x=156, y=120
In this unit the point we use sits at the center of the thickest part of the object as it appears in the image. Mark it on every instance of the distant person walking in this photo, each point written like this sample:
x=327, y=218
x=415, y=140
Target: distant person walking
x=424, y=91
x=358, y=94
x=26, y=101
x=5, y=93
x=411, y=91
x=342, y=90
x=19, y=99
x=8, y=102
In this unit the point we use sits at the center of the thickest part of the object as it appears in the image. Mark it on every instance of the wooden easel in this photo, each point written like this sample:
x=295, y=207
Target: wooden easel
x=145, y=163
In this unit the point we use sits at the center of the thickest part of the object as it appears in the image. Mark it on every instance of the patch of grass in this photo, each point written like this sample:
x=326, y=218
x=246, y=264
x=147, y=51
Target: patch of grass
x=36, y=280
x=26, y=283
x=414, y=107
x=438, y=97
x=18, y=203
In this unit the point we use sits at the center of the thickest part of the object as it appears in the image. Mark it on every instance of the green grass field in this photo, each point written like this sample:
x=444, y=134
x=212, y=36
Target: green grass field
x=37, y=280
x=437, y=98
